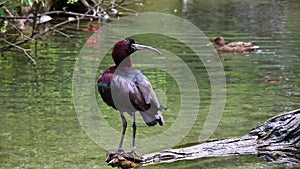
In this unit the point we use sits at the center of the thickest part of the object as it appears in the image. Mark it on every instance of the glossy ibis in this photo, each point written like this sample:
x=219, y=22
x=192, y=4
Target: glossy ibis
x=126, y=89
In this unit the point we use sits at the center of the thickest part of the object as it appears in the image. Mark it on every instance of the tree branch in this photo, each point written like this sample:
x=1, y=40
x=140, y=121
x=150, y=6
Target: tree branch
x=24, y=50
x=34, y=36
x=277, y=140
x=6, y=9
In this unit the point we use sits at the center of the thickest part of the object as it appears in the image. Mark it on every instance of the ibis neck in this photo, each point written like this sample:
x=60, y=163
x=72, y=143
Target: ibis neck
x=127, y=62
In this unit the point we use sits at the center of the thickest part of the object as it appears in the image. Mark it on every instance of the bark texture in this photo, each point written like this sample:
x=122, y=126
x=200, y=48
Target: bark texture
x=277, y=140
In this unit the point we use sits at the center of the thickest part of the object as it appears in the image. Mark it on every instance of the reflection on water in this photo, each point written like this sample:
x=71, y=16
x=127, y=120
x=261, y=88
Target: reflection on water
x=256, y=18
x=39, y=127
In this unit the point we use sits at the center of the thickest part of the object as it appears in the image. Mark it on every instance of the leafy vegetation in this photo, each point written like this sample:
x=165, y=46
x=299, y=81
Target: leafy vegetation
x=21, y=20
x=31, y=2
x=72, y=1
x=4, y=27
x=13, y=8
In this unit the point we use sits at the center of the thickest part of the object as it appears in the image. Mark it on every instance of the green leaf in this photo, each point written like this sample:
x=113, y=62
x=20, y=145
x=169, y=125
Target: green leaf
x=72, y=1
x=3, y=28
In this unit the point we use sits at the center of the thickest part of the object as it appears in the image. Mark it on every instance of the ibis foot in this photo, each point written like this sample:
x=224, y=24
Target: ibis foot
x=124, y=160
x=135, y=156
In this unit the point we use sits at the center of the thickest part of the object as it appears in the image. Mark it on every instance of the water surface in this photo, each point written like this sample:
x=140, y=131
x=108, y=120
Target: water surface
x=39, y=126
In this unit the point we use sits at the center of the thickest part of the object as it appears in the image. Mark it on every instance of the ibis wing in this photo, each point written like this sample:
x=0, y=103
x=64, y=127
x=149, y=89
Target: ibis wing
x=146, y=90
x=152, y=115
x=140, y=95
x=130, y=91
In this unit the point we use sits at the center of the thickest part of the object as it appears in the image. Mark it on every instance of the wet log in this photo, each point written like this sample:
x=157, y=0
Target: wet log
x=277, y=140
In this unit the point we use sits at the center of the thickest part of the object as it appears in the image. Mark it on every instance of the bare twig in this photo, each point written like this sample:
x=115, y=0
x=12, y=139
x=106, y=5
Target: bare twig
x=127, y=9
x=64, y=34
x=121, y=6
x=11, y=45
x=120, y=3
x=79, y=16
x=6, y=9
x=22, y=34
x=35, y=18
x=24, y=50
x=52, y=12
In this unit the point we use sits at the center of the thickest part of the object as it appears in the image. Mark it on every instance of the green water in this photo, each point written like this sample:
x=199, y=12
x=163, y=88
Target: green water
x=39, y=125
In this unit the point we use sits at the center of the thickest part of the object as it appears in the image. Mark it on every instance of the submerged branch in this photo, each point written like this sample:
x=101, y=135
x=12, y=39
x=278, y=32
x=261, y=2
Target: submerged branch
x=277, y=140
x=24, y=50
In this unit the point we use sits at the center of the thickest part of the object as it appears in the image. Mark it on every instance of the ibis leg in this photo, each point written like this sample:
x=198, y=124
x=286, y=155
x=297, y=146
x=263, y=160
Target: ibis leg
x=134, y=132
x=124, y=123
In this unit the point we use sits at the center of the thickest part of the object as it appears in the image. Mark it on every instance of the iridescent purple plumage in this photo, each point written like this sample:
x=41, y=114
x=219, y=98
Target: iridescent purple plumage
x=126, y=89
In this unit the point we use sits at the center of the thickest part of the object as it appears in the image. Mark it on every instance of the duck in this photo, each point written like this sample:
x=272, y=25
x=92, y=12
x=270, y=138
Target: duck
x=236, y=47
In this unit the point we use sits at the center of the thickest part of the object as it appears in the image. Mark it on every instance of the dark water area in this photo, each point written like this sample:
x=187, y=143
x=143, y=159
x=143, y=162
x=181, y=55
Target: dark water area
x=39, y=124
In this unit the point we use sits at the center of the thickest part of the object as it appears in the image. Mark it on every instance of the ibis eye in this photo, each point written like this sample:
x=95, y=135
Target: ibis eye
x=133, y=47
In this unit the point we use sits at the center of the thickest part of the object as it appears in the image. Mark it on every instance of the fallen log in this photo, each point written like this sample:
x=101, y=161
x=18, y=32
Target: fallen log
x=277, y=140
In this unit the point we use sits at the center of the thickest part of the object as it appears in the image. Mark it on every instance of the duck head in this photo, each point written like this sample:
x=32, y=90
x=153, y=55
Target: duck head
x=218, y=41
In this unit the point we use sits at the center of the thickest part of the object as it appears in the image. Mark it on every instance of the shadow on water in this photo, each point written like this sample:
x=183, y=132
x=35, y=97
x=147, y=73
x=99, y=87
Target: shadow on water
x=40, y=129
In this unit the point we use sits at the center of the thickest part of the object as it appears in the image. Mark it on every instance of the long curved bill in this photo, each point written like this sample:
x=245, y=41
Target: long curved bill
x=144, y=47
